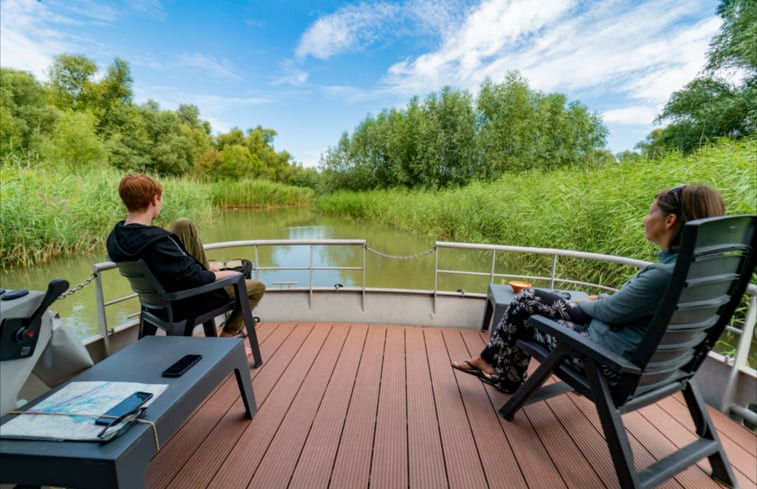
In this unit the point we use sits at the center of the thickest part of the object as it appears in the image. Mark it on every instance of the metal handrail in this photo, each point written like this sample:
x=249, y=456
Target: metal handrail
x=738, y=363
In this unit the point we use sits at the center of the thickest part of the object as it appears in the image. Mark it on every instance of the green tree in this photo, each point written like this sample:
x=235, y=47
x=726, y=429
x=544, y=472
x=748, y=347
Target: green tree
x=113, y=98
x=71, y=85
x=75, y=142
x=25, y=118
x=710, y=106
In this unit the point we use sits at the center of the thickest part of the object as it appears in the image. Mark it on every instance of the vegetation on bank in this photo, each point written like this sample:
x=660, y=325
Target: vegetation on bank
x=596, y=209
x=48, y=211
x=451, y=139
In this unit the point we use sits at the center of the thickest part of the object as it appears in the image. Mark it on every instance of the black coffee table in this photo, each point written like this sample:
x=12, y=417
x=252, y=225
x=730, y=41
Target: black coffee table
x=121, y=463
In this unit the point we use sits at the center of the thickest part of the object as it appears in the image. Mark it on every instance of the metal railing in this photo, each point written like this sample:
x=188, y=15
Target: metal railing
x=738, y=363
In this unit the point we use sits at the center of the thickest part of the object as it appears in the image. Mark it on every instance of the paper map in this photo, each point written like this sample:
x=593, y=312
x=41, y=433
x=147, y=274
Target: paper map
x=86, y=399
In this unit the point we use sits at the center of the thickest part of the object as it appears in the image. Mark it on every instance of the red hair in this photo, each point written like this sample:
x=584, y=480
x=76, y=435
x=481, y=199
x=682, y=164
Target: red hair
x=137, y=190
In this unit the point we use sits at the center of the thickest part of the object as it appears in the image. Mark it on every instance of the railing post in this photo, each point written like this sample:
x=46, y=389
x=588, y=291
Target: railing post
x=436, y=277
x=742, y=355
x=491, y=275
x=257, y=261
x=552, y=274
x=102, y=320
x=363, y=298
x=310, y=271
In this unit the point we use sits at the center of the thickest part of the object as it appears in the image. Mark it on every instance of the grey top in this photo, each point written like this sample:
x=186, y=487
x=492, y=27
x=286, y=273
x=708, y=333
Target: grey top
x=621, y=319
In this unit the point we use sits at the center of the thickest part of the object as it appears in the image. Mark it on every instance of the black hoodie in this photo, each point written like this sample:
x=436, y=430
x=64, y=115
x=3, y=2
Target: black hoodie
x=171, y=264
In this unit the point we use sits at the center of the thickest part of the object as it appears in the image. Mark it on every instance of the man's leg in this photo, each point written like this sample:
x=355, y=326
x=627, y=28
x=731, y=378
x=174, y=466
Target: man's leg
x=255, y=291
x=186, y=230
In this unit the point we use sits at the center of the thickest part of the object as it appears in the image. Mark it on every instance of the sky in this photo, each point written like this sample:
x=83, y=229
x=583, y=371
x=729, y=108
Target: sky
x=313, y=69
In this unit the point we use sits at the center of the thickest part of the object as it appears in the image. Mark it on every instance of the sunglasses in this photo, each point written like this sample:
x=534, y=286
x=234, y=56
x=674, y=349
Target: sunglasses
x=676, y=193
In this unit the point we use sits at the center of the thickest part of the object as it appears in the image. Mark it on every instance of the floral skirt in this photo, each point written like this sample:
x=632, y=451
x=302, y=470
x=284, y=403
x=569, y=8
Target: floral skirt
x=509, y=361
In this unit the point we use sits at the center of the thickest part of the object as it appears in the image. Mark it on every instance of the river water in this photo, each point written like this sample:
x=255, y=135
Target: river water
x=78, y=310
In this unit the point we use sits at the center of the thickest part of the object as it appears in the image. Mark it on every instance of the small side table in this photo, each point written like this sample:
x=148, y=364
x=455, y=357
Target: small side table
x=499, y=296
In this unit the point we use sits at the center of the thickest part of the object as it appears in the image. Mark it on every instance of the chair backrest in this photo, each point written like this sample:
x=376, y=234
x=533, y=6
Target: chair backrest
x=715, y=263
x=143, y=282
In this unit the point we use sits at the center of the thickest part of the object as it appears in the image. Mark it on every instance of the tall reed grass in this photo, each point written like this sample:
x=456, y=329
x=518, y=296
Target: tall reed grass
x=595, y=209
x=259, y=193
x=48, y=211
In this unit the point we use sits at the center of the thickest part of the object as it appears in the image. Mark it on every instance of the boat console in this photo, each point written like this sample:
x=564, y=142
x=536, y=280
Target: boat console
x=34, y=346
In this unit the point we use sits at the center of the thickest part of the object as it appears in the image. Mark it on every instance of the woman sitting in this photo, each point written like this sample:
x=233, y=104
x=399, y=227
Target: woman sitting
x=617, y=321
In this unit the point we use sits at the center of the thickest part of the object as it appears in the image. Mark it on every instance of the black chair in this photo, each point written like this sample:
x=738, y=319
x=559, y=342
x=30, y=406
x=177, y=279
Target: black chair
x=158, y=305
x=715, y=262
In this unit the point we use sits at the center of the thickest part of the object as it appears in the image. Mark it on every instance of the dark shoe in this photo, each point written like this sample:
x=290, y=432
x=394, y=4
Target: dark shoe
x=471, y=369
x=239, y=334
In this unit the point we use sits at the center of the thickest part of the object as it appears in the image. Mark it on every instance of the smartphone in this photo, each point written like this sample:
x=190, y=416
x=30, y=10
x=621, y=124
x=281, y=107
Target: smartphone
x=124, y=408
x=181, y=366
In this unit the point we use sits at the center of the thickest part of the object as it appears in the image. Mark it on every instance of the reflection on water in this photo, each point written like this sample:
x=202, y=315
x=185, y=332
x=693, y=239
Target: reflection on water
x=78, y=311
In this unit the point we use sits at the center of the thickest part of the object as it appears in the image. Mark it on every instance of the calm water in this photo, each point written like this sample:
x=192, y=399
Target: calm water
x=78, y=310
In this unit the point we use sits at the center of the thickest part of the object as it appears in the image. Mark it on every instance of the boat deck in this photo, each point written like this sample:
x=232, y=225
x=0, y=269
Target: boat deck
x=358, y=406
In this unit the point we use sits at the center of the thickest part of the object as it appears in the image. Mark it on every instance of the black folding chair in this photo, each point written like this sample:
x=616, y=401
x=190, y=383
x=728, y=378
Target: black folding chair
x=158, y=305
x=715, y=263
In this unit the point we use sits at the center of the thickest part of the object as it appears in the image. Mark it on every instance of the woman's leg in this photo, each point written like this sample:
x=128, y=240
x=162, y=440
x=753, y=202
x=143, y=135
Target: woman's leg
x=186, y=230
x=510, y=362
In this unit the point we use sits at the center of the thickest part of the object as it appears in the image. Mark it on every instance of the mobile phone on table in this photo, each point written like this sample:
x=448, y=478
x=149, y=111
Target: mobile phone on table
x=181, y=365
x=124, y=408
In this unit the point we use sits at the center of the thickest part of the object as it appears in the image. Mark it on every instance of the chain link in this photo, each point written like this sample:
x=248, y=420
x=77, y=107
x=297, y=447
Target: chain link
x=409, y=257
x=78, y=287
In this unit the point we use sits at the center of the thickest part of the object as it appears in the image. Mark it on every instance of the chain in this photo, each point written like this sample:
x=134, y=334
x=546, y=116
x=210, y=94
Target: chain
x=409, y=257
x=77, y=288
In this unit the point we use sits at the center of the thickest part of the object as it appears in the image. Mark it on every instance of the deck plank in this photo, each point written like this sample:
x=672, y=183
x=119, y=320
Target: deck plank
x=461, y=457
x=237, y=462
x=425, y=454
x=314, y=467
x=374, y=406
x=278, y=464
x=497, y=458
x=389, y=466
x=353, y=463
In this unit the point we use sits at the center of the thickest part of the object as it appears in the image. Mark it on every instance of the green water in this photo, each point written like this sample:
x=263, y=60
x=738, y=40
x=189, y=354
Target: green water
x=78, y=310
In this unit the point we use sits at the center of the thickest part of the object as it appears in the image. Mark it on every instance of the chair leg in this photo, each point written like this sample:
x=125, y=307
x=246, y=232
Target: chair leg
x=721, y=468
x=612, y=425
x=252, y=337
x=533, y=382
x=146, y=328
x=209, y=327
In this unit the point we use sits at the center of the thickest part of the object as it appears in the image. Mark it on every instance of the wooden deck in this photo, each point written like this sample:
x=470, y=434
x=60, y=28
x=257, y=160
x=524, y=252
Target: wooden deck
x=358, y=406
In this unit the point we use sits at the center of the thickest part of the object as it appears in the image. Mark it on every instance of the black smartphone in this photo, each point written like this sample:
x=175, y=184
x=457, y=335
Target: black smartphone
x=124, y=408
x=181, y=366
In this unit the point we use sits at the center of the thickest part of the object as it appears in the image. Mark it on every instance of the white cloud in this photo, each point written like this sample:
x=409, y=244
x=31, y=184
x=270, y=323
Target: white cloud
x=209, y=65
x=26, y=40
x=637, y=53
x=637, y=115
x=348, y=29
x=292, y=75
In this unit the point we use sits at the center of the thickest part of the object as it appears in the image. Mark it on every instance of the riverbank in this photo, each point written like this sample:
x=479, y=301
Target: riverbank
x=593, y=209
x=47, y=212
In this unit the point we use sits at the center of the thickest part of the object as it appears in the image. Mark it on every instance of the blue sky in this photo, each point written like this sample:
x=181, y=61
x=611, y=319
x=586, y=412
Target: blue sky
x=312, y=69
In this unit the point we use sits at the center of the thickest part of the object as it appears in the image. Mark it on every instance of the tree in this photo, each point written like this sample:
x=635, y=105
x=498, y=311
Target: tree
x=710, y=106
x=449, y=139
x=71, y=85
x=75, y=142
x=24, y=116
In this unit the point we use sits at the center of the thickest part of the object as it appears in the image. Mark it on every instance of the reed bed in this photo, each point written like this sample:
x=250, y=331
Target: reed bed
x=47, y=211
x=593, y=209
x=259, y=193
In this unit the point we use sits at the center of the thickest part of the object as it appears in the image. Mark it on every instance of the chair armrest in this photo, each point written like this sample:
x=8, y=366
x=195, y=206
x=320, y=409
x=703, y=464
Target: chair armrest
x=218, y=284
x=583, y=345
